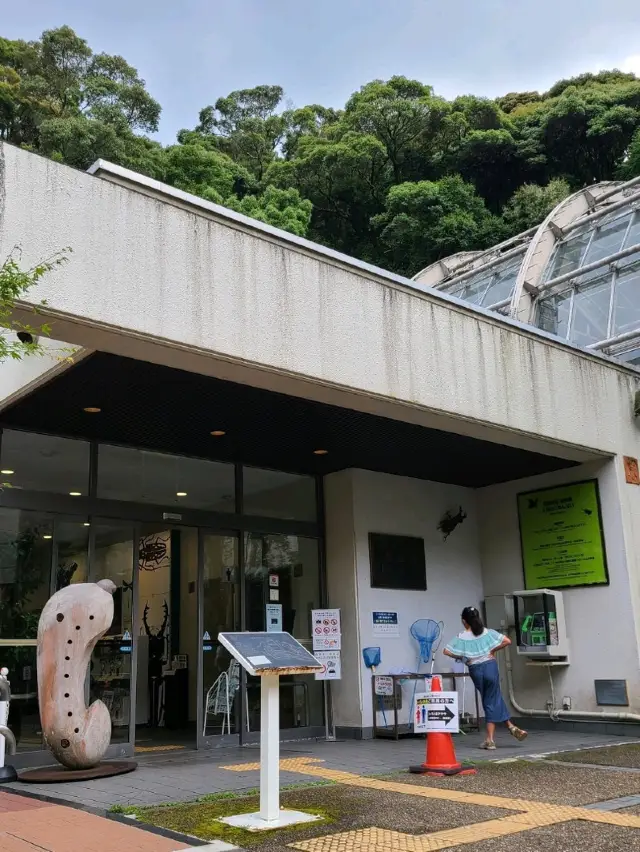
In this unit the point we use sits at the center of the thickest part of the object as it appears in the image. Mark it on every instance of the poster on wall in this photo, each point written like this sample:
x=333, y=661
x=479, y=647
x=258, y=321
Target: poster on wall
x=326, y=629
x=385, y=624
x=562, y=538
x=274, y=618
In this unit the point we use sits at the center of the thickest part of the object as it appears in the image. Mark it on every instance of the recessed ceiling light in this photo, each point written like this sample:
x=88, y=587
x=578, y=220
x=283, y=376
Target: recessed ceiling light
x=7, y=472
x=92, y=409
x=320, y=452
x=47, y=536
x=86, y=524
x=75, y=494
x=218, y=433
x=181, y=493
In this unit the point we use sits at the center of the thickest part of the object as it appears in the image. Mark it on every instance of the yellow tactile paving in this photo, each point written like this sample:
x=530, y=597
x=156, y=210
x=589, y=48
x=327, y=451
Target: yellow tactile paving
x=530, y=814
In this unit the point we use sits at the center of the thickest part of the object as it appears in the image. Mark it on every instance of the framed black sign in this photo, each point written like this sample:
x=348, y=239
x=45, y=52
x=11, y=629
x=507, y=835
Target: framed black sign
x=397, y=562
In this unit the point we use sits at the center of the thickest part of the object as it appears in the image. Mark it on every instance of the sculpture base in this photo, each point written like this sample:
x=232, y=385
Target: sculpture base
x=61, y=775
x=7, y=774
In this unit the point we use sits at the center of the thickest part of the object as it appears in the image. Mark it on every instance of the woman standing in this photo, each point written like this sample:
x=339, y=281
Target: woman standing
x=477, y=647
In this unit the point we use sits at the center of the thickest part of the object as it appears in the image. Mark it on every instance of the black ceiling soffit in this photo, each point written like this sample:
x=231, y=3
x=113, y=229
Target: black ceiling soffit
x=169, y=410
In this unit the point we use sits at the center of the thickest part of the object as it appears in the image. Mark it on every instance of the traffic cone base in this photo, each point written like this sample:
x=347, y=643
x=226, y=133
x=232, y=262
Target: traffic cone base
x=441, y=755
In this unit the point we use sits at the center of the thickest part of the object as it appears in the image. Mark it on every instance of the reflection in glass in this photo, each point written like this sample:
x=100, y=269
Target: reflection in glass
x=142, y=476
x=71, y=551
x=221, y=674
x=627, y=303
x=26, y=540
x=591, y=312
x=274, y=494
x=294, y=561
x=568, y=255
x=553, y=313
x=45, y=463
x=110, y=668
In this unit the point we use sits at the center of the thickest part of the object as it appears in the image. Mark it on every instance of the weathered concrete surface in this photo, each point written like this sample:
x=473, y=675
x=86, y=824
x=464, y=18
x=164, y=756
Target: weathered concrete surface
x=160, y=275
x=72, y=621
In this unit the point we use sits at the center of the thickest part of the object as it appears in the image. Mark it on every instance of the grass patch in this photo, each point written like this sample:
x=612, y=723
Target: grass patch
x=200, y=818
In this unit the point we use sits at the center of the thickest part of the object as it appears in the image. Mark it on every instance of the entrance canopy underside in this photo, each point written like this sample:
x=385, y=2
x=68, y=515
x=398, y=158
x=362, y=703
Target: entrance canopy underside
x=160, y=408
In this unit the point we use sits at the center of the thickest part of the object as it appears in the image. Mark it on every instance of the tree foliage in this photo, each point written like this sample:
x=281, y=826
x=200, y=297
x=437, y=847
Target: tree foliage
x=399, y=177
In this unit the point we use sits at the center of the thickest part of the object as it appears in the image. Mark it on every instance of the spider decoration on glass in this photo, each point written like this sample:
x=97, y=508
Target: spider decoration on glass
x=153, y=552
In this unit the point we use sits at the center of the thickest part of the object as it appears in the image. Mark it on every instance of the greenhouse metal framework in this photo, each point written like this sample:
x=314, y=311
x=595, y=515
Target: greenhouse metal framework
x=576, y=275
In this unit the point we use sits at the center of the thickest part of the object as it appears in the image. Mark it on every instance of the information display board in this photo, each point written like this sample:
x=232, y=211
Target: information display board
x=562, y=538
x=270, y=653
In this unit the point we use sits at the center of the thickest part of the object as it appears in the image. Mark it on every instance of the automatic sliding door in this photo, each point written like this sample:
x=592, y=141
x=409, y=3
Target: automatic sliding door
x=219, y=681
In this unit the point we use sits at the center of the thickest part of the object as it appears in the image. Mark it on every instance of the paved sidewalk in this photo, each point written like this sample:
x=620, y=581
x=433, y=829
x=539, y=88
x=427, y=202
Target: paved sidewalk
x=28, y=825
x=184, y=775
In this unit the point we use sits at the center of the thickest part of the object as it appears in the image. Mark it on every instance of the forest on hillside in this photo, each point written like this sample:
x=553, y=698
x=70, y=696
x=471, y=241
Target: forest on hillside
x=399, y=177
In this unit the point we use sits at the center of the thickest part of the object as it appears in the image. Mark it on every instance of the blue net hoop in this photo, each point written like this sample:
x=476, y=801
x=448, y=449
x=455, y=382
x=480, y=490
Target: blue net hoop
x=427, y=633
x=372, y=657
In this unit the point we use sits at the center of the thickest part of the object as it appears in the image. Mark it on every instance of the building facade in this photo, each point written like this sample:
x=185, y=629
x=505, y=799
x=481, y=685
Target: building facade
x=231, y=418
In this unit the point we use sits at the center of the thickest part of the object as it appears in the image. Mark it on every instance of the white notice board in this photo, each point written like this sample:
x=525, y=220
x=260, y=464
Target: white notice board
x=436, y=712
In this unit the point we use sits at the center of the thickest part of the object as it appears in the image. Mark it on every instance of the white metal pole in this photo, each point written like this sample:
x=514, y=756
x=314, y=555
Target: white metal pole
x=270, y=748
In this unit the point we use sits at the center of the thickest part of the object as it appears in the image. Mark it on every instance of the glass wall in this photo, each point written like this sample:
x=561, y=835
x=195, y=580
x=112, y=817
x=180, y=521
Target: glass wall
x=177, y=587
x=26, y=548
x=140, y=476
x=274, y=494
x=32, y=462
x=600, y=304
x=220, y=612
x=110, y=668
x=284, y=570
x=488, y=286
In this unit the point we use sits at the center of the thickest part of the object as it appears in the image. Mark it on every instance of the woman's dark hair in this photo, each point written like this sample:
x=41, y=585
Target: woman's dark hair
x=471, y=616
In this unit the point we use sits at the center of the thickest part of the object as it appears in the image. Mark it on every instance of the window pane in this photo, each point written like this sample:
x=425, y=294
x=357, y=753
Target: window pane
x=633, y=237
x=627, y=306
x=26, y=541
x=294, y=560
x=110, y=666
x=273, y=494
x=45, y=463
x=220, y=613
x=630, y=357
x=474, y=291
x=502, y=285
x=606, y=240
x=591, y=312
x=553, y=313
x=568, y=255
x=141, y=476
x=72, y=551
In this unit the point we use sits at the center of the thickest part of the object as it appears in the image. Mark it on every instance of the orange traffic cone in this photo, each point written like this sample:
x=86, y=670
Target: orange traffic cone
x=441, y=755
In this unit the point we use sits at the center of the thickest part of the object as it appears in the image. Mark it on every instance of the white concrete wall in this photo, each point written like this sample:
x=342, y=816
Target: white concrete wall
x=600, y=620
x=359, y=502
x=172, y=280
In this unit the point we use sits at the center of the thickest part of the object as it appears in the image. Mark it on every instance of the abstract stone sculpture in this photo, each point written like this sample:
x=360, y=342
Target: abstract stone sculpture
x=72, y=622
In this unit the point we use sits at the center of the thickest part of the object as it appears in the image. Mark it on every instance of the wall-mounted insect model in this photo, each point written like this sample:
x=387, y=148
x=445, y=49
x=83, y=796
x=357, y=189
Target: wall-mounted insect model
x=72, y=622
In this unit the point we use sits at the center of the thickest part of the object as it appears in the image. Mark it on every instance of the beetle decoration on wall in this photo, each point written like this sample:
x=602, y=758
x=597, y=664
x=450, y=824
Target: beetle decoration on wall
x=449, y=522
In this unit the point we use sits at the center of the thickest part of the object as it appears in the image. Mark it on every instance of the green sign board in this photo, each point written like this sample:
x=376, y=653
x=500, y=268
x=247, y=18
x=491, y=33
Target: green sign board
x=562, y=540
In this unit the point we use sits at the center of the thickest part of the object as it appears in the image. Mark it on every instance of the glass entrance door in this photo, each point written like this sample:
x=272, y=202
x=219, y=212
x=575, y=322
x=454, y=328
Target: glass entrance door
x=219, y=682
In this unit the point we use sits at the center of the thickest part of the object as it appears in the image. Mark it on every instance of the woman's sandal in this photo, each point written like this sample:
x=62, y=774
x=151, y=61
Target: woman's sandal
x=518, y=733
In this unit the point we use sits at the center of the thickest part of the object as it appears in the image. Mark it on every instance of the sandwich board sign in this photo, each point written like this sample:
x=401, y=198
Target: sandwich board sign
x=436, y=712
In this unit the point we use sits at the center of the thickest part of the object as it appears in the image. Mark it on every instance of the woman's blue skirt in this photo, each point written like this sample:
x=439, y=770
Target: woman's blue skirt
x=486, y=679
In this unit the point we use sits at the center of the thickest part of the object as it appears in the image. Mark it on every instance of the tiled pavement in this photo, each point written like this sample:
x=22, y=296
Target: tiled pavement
x=28, y=825
x=185, y=775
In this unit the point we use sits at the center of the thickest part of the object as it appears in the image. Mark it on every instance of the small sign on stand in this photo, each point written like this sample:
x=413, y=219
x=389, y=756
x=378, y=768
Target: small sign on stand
x=268, y=656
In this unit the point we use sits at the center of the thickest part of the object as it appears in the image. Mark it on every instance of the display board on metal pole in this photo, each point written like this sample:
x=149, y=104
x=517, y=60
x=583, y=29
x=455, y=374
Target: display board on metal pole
x=268, y=656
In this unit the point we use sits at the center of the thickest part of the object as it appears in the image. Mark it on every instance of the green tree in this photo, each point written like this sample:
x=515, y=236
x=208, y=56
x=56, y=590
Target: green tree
x=531, y=204
x=282, y=208
x=18, y=338
x=428, y=220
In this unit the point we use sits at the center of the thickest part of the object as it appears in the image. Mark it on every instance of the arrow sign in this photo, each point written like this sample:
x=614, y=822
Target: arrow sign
x=441, y=715
x=435, y=712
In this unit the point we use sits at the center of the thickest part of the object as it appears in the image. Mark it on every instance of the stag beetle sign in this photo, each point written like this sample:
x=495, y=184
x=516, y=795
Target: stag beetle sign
x=72, y=622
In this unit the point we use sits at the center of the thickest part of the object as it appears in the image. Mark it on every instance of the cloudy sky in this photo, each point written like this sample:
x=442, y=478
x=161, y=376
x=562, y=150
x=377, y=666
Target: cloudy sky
x=193, y=51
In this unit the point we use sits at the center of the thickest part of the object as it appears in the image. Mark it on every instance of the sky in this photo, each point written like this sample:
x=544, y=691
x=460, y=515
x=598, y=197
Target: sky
x=320, y=51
